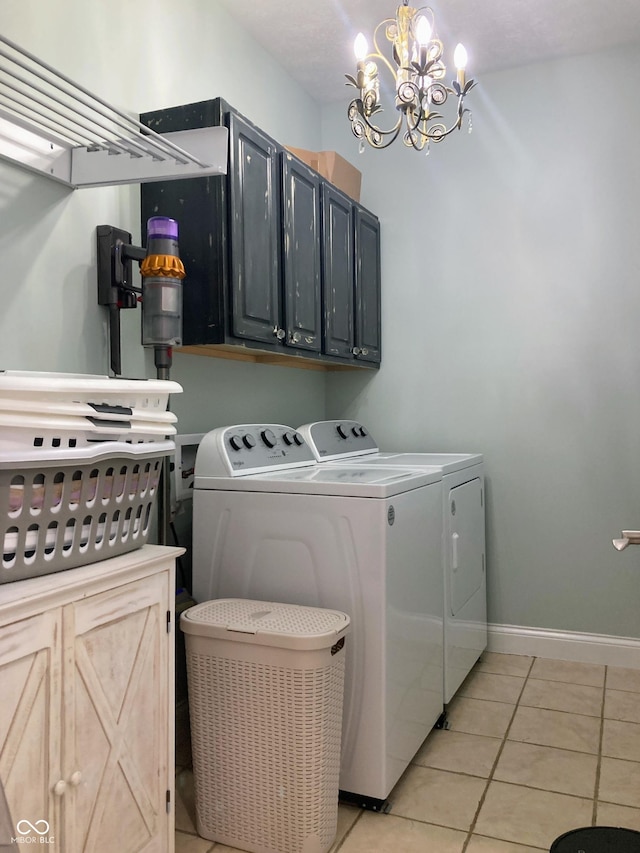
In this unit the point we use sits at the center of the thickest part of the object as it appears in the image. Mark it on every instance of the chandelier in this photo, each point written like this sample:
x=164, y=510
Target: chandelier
x=418, y=71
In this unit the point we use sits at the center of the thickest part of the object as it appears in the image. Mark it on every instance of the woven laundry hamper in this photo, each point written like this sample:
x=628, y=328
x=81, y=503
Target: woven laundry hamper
x=265, y=699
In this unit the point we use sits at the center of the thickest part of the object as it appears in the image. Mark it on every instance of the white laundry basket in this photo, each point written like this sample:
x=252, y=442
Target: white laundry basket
x=80, y=461
x=266, y=685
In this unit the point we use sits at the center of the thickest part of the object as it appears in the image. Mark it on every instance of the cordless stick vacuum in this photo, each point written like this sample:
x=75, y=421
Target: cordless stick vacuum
x=162, y=272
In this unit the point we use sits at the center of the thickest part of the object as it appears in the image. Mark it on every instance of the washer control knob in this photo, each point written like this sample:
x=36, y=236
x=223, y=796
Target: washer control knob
x=287, y=438
x=268, y=437
x=363, y=431
x=342, y=431
x=355, y=431
x=299, y=440
x=249, y=441
x=235, y=442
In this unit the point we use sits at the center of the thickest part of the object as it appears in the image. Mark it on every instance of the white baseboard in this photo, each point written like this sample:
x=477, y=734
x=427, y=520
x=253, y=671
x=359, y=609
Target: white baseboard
x=565, y=645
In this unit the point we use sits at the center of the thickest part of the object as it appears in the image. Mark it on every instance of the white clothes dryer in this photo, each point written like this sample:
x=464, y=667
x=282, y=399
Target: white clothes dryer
x=463, y=533
x=271, y=524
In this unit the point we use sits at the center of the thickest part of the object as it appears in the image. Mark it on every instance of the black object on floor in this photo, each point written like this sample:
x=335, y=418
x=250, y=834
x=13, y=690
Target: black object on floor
x=598, y=839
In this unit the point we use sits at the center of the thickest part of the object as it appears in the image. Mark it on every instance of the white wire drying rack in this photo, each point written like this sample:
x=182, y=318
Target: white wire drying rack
x=53, y=126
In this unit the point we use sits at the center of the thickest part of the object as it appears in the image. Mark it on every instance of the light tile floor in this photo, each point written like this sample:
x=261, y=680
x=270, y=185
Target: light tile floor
x=534, y=748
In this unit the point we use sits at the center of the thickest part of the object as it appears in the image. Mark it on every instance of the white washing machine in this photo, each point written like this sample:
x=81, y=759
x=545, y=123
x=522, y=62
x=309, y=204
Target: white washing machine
x=463, y=546
x=270, y=523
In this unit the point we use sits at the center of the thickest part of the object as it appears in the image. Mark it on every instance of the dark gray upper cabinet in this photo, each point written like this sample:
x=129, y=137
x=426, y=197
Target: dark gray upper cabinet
x=301, y=254
x=337, y=272
x=278, y=260
x=367, y=285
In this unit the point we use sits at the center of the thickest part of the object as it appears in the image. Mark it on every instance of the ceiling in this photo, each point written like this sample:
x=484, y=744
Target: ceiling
x=314, y=41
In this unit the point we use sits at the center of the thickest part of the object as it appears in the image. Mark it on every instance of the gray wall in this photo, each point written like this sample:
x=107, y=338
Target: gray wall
x=50, y=317
x=511, y=308
x=510, y=298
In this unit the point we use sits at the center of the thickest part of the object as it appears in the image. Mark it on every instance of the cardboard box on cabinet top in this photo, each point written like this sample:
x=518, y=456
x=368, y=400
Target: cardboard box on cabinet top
x=334, y=168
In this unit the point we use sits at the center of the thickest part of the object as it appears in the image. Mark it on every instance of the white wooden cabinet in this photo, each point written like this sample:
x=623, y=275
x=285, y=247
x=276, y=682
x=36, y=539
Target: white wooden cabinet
x=87, y=705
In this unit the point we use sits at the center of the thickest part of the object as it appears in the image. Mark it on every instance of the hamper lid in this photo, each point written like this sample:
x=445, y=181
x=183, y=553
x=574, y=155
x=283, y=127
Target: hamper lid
x=267, y=623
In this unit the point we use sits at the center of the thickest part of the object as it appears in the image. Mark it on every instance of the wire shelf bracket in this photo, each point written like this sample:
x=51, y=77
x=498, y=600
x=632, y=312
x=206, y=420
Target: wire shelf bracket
x=56, y=128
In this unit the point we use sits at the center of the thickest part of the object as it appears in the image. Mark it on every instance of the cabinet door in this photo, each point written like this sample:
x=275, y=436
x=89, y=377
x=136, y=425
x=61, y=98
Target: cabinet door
x=367, y=285
x=117, y=700
x=337, y=272
x=255, y=231
x=30, y=734
x=301, y=254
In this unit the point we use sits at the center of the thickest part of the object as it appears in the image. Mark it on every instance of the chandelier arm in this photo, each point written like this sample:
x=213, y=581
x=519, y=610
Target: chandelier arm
x=372, y=127
x=395, y=132
x=436, y=137
x=378, y=53
x=425, y=134
x=414, y=130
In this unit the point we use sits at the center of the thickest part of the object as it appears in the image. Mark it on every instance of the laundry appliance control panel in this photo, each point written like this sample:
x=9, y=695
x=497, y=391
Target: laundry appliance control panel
x=235, y=451
x=335, y=439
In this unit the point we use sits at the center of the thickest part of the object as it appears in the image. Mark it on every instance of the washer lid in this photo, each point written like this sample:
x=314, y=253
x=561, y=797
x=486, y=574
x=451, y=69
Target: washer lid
x=446, y=462
x=358, y=481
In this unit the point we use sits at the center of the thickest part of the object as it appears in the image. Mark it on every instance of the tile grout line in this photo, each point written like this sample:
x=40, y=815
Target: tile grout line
x=495, y=763
x=594, y=813
x=443, y=826
x=335, y=849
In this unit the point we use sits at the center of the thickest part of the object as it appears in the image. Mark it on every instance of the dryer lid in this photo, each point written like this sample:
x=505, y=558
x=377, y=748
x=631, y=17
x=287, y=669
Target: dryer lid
x=341, y=441
x=446, y=462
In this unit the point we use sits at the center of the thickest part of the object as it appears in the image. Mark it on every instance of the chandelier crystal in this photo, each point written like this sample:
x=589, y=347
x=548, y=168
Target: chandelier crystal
x=418, y=71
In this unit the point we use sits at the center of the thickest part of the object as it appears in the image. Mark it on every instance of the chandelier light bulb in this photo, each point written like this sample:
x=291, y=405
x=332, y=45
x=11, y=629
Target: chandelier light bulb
x=360, y=47
x=460, y=61
x=460, y=57
x=423, y=31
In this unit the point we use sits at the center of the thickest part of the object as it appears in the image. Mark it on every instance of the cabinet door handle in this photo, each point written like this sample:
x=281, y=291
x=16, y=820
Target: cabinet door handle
x=356, y=350
x=60, y=787
x=75, y=778
x=295, y=337
x=364, y=351
x=279, y=333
